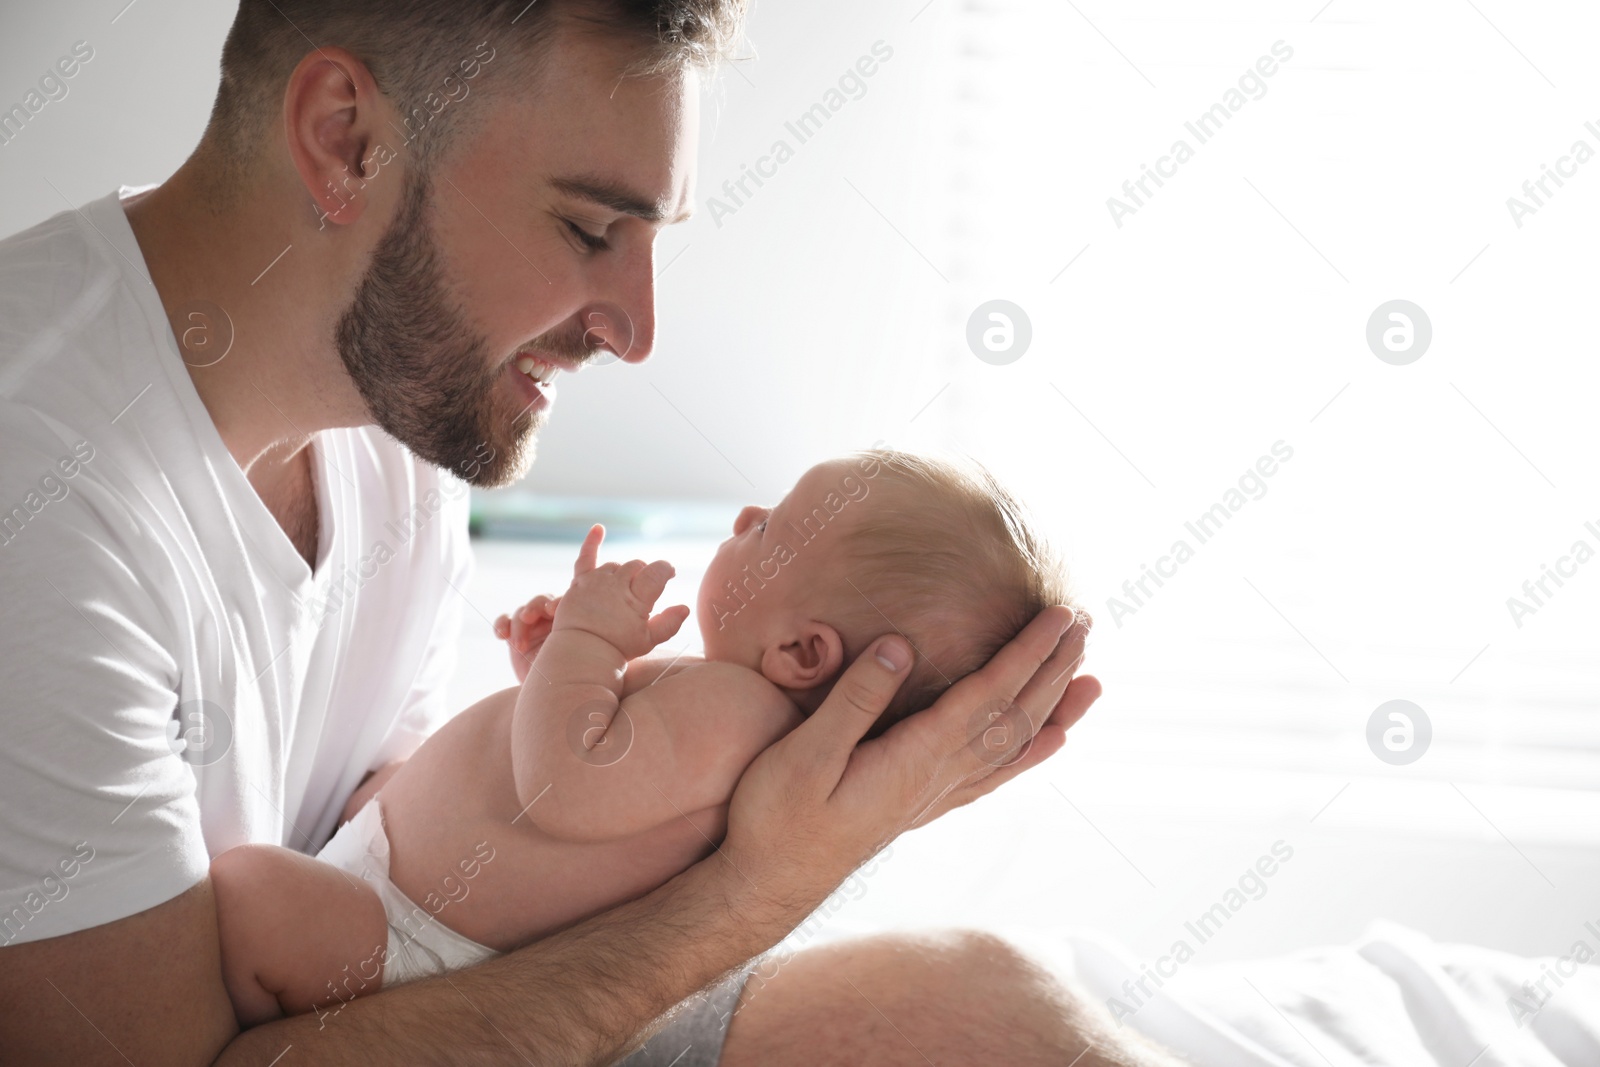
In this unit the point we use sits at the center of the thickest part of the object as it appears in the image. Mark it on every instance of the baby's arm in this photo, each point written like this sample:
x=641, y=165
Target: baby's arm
x=594, y=765
x=648, y=670
x=717, y=718
x=296, y=933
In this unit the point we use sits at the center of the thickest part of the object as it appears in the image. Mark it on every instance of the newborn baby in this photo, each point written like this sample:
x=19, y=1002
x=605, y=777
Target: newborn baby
x=606, y=773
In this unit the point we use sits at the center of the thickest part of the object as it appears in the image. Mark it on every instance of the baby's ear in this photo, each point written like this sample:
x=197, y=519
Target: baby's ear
x=807, y=658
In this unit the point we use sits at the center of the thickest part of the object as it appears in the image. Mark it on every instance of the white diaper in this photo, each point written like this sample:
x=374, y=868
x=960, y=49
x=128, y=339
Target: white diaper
x=419, y=944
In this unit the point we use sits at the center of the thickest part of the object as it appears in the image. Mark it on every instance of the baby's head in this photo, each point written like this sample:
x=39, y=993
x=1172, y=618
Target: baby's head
x=875, y=542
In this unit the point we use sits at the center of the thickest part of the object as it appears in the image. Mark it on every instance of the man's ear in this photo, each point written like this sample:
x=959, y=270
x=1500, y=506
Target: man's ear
x=809, y=657
x=331, y=112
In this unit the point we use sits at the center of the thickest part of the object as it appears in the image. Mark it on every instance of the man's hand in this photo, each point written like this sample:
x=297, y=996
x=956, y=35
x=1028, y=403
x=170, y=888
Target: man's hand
x=819, y=802
x=524, y=631
x=613, y=601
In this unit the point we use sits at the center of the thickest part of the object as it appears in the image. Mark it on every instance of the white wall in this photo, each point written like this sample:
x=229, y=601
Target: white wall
x=801, y=326
x=132, y=113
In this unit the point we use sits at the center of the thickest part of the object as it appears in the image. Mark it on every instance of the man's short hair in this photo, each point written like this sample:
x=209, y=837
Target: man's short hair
x=412, y=46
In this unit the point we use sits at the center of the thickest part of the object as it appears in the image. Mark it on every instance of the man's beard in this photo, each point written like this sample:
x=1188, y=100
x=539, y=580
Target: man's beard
x=428, y=378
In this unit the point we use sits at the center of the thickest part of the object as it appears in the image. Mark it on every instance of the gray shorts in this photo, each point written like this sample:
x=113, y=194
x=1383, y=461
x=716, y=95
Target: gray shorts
x=694, y=1036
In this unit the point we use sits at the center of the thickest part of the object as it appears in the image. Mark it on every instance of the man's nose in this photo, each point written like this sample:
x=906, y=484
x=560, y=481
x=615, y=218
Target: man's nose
x=625, y=321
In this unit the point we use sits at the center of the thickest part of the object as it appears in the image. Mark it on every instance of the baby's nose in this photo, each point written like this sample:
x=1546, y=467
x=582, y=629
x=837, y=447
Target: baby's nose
x=746, y=518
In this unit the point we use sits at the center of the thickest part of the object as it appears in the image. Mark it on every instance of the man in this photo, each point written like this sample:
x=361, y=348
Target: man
x=238, y=409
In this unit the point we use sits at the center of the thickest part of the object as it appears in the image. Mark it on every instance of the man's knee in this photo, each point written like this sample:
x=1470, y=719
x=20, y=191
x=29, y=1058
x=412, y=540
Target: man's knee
x=970, y=995
x=979, y=957
x=895, y=998
x=924, y=967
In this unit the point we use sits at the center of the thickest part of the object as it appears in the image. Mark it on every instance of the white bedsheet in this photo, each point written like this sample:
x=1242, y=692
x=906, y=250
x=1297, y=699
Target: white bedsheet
x=1394, y=997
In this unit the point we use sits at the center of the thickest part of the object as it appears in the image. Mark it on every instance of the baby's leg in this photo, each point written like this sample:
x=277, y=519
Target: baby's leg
x=297, y=933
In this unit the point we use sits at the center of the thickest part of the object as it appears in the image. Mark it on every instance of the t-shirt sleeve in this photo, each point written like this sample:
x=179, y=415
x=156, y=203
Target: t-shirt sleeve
x=98, y=817
x=426, y=706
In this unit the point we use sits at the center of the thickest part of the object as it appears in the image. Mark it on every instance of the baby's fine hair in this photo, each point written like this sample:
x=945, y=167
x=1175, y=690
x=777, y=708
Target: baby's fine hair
x=950, y=559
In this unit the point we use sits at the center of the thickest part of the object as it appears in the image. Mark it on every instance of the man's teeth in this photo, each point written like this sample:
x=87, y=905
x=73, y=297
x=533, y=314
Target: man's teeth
x=537, y=369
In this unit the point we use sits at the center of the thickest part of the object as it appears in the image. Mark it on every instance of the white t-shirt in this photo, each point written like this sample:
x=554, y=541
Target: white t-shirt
x=174, y=679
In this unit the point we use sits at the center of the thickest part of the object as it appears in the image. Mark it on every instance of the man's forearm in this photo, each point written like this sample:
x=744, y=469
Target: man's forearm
x=576, y=997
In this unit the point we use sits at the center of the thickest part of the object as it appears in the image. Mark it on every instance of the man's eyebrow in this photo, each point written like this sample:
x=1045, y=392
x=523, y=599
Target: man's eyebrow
x=616, y=197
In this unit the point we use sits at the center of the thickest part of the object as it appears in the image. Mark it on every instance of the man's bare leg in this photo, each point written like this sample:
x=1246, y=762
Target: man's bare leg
x=948, y=997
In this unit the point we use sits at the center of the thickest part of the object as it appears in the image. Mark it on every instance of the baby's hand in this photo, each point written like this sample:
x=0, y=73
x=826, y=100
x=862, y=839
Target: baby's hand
x=525, y=629
x=613, y=600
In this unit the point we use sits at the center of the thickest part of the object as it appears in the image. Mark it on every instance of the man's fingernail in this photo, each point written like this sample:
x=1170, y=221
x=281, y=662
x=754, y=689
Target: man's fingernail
x=893, y=654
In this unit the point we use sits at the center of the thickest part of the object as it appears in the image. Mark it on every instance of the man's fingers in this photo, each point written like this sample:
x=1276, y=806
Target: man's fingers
x=1046, y=743
x=1014, y=665
x=589, y=551
x=1081, y=693
x=998, y=682
x=1000, y=733
x=989, y=720
x=1043, y=691
x=1051, y=698
x=1074, y=703
x=854, y=704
